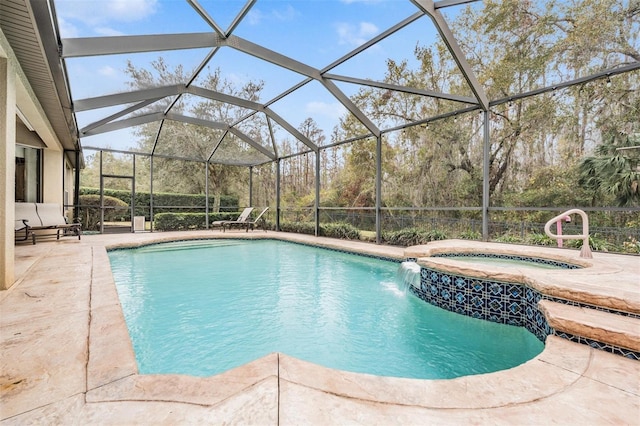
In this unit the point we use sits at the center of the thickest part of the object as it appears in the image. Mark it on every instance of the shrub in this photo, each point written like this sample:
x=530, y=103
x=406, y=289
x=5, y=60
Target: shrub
x=412, y=237
x=298, y=227
x=186, y=221
x=631, y=246
x=436, y=235
x=404, y=237
x=90, y=216
x=470, y=235
x=509, y=238
x=595, y=242
x=369, y=236
x=540, y=239
x=340, y=230
x=228, y=203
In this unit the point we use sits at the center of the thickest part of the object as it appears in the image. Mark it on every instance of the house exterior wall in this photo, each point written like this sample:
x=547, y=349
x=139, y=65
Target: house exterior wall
x=52, y=176
x=57, y=175
x=7, y=163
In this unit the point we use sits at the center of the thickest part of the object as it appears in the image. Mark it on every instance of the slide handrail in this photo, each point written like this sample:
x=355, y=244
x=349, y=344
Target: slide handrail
x=586, y=249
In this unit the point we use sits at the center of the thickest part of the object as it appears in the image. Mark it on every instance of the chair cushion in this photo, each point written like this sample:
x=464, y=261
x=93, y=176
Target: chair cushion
x=50, y=214
x=26, y=211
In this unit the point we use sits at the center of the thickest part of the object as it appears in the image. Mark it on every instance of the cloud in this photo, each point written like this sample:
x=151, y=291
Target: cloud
x=130, y=10
x=107, y=71
x=287, y=14
x=330, y=110
x=103, y=11
x=67, y=29
x=106, y=31
x=355, y=35
x=257, y=16
x=368, y=29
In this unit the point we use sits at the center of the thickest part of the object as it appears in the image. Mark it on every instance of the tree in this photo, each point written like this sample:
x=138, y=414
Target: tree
x=613, y=171
x=195, y=142
x=535, y=143
x=113, y=164
x=520, y=46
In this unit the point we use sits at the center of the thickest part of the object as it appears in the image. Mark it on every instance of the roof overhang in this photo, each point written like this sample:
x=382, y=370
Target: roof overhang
x=43, y=96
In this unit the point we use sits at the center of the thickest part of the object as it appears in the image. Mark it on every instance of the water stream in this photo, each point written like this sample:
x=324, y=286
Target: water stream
x=408, y=275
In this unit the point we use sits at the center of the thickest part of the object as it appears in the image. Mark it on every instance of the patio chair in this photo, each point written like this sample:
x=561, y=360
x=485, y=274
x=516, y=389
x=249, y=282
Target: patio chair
x=247, y=223
x=241, y=219
x=43, y=219
x=27, y=219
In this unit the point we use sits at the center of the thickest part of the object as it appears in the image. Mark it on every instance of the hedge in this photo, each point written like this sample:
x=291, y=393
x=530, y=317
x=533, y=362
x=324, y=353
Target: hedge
x=340, y=230
x=188, y=221
x=298, y=227
x=228, y=203
x=344, y=231
x=412, y=237
x=90, y=215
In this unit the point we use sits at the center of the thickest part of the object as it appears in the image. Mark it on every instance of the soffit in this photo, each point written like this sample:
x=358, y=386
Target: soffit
x=19, y=27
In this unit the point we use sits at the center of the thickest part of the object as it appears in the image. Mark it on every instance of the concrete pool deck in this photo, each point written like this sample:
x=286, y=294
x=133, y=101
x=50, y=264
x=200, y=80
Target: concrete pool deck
x=66, y=358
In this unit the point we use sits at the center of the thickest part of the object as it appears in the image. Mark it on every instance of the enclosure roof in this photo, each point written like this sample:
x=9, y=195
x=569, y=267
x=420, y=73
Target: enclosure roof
x=228, y=82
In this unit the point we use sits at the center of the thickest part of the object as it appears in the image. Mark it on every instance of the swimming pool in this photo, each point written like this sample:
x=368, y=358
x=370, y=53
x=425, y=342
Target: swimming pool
x=204, y=307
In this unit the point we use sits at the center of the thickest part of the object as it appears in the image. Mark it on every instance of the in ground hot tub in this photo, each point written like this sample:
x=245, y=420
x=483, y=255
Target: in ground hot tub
x=493, y=282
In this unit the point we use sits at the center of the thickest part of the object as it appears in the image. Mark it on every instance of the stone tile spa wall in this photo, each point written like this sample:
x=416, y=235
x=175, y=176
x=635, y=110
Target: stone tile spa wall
x=497, y=301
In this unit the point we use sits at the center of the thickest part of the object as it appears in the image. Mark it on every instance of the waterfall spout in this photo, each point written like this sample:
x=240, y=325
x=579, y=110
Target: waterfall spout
x=409, y=275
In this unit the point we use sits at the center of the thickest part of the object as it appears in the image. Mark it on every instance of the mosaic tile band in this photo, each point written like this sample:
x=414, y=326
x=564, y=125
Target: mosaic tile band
x=527, y=259
x=506, y=303
x=495, y=301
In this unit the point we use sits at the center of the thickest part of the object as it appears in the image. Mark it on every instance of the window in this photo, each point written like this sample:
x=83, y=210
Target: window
x=28, y=174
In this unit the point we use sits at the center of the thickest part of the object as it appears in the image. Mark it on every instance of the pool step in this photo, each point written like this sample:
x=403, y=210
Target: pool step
x=605, y=327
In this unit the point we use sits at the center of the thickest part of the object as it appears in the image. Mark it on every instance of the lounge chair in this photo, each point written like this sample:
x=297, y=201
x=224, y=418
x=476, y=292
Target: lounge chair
x=43, y=219
x=26, y=219
x=247, y=223
x=241, y=219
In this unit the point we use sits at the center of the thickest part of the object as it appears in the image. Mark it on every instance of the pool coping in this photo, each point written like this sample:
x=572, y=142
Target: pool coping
x=111, y=373
x=393, y=390
x=560, y=283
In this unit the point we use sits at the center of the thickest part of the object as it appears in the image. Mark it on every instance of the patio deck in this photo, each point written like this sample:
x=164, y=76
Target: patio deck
x=66, y=359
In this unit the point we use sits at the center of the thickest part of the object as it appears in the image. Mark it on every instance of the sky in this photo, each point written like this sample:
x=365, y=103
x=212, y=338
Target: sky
x=316, y=32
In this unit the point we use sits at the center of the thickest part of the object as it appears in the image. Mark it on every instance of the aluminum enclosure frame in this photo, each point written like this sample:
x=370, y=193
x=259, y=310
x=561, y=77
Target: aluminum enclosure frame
x=218, y=38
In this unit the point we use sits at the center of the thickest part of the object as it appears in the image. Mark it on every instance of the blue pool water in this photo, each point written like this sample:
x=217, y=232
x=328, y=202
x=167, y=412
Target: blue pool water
x=204, y=307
